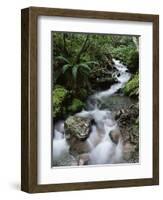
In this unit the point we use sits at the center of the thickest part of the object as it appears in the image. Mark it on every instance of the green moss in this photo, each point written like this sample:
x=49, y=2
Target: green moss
x=76, y=106
x=60, y=95
x=132, y=87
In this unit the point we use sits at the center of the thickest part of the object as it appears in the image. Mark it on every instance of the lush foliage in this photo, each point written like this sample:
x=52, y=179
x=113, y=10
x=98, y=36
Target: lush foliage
x=132, y=87
x=71, y=62
x=60, y=96
x=64, y=103
x=76, y=106
x=75, y=70
x=83, y=64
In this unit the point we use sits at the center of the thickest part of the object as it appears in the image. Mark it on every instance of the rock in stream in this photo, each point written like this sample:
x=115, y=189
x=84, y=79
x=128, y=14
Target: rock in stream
x=77, y=130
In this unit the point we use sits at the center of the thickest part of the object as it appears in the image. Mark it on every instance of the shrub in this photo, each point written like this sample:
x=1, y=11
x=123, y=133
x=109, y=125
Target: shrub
x=76, y=106
x=132, y=87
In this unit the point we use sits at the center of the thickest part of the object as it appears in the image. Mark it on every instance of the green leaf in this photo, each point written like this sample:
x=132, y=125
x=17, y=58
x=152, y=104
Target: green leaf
x=85, y=66
x=62, y=58
x=91, y=62
x=74, y=71
x=65, y=68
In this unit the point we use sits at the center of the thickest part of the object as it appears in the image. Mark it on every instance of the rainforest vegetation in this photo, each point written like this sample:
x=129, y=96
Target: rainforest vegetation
x=82, y=64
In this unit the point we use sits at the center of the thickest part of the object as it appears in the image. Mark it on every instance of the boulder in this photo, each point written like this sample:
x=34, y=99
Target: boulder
x=101, y=76
x=129, y=151
x=128, y=122
x=65, y=159
x=77, y=127
x=78, y=147
x=115, y=135
x=106, y=82
x=84, y=159
x=77, y=130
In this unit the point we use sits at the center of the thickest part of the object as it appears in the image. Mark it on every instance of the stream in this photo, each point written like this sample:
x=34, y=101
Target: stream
x=100, y=108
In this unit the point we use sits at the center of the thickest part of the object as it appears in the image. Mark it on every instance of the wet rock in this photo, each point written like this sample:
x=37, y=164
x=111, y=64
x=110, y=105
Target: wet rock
x=117, y=104
x=77, y=130
x=106, y=82
x=65, y=160
x=77, y=127
x=78, y=147
x=115, y=135
x=129, y=150
x=128, y=122
x=84, y=159
x=101, y=76
x=103, y=82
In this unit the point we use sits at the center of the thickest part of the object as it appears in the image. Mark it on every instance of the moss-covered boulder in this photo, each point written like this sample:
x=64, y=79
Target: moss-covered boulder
x=76, y=106
x=59, y=99
x=132, y=87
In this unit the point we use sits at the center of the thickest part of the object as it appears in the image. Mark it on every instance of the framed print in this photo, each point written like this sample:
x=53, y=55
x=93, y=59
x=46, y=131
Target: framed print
x=90, y=99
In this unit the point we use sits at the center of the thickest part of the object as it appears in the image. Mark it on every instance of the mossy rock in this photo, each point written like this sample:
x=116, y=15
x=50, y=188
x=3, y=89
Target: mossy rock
x=76, y=106
x=132, y=87
x=77, y=127
x=60, y=96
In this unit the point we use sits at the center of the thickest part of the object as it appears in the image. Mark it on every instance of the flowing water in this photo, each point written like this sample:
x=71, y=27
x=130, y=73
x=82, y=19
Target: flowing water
x=103, y=149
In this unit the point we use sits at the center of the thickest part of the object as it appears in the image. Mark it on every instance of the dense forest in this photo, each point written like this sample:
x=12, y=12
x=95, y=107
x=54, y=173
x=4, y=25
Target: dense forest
x=95, y=71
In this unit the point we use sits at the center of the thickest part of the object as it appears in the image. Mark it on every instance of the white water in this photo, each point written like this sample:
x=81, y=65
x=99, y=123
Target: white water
x=121, y=75
x=60, y=145
x=103, y=150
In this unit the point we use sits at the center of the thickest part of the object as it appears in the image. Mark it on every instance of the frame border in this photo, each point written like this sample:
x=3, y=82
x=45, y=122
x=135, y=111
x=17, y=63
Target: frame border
x=29, y=99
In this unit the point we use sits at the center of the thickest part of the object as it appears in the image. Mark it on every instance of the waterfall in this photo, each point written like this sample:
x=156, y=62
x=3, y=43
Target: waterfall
x=121, y=75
